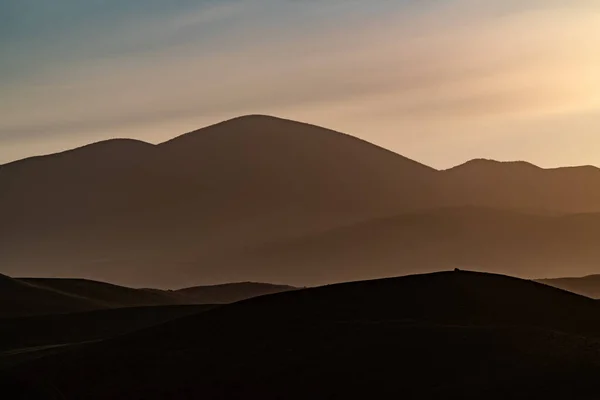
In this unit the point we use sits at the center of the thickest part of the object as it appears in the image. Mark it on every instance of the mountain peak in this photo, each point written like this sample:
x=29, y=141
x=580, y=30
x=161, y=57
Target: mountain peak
x=489, y=163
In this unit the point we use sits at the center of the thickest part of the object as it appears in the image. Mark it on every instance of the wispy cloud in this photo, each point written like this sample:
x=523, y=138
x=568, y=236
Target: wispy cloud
x=426, y=67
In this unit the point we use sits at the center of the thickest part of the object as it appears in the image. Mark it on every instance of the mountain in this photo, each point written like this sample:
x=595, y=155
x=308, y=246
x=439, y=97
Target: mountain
x=229, y=292
x=45, y=296
x=453, y=335
x=503, y=241
x=586, y=286
x=105, y=294
x=97, y=213
x=200, y=209
x=521, y=185
x=21, y=298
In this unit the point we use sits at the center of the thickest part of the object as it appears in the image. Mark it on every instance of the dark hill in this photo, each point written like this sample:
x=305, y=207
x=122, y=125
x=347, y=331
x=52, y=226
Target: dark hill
x=39, y=296
x=586, y=286
x=446, y=335
x=21, y=298
x=65, y=329
x=230, y=292
x=106, y=294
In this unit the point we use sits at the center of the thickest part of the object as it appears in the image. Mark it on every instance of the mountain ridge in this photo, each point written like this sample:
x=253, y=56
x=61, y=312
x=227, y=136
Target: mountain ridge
x=195, y=205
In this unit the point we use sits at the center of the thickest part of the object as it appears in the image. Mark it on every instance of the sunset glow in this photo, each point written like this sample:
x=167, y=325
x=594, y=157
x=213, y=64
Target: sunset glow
x=440, y=82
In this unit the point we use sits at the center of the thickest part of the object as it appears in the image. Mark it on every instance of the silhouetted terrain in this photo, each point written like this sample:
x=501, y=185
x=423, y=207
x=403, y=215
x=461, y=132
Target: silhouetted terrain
x=62, y=329
x=196, y=209
x=21, y=298
x=521, y=243
x=38, y=296
x=445, y=335
x=230, y=292
x=586, y=286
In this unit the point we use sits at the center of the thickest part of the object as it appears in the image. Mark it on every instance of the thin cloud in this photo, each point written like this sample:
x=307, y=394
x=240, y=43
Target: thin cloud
x=426, y=63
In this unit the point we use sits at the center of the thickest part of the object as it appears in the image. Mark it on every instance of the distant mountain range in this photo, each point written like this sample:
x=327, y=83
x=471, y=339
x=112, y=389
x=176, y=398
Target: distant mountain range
x=259, y=198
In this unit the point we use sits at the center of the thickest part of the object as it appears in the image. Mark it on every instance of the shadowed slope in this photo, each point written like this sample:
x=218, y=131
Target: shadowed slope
x=21, y=298
x=196, y=198
x=61, y=329
x=229, y=292
x=33, y=296
x=445, y=335
x=190, y=210
x=521, y=185
x=467, y=237
x=106, y=294
x=586, y=286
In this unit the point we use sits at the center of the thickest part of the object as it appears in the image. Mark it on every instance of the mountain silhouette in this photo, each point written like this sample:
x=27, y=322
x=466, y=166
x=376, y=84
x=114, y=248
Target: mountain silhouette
x=586, y=286
x=48, y=296
x=229, y=292
x=202, y=208
x=521, y=185
x=21, y=298
x=445, y=335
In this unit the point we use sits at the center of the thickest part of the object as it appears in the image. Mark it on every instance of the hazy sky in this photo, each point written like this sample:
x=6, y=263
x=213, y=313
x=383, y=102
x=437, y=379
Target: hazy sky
x=440, y=81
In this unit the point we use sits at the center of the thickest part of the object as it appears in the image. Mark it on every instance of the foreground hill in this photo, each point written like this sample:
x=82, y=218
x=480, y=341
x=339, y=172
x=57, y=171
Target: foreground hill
x=586, y=286
x=444, y=335
x=191, y=209
x=39, y=296
x=32, y=332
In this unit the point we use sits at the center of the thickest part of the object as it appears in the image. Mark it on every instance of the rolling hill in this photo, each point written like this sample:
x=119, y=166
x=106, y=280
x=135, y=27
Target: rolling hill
x=451, y=335
x=229, y=292
x=32, y=332
x=45, y=296
x=586, y=286
x=94, y=212
x=197, y=209
x=21, y=298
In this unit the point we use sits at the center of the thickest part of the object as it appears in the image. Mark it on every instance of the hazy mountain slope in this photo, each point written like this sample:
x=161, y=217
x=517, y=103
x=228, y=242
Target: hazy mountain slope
x=586, y=286
x=446, y=335
x=106, y=294
x=191, y=200
x=20, y=298
x=35, y=296
x=522, y=185
x=190, y=210
x=229, y=292
x=474, y=238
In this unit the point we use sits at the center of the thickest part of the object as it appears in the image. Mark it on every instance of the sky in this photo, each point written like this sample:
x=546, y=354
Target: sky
x=439, y=81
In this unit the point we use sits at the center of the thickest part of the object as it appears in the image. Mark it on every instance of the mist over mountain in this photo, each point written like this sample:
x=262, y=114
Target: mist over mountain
x=257, y=198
